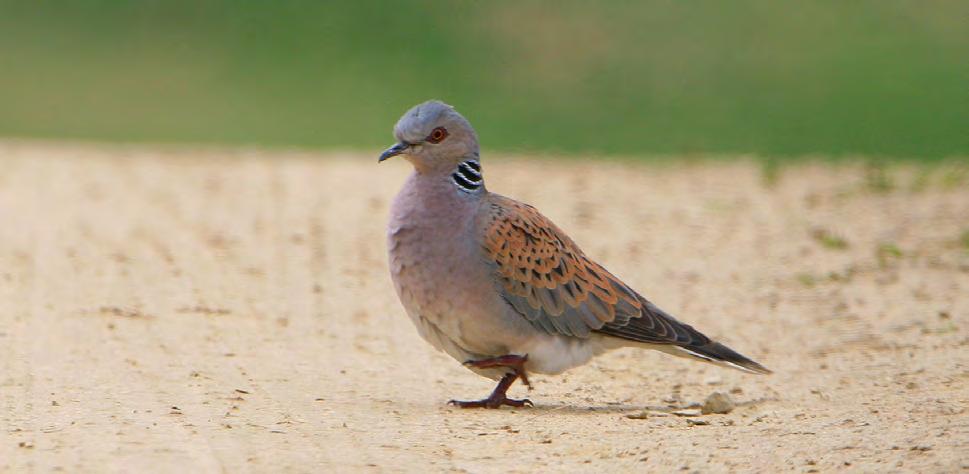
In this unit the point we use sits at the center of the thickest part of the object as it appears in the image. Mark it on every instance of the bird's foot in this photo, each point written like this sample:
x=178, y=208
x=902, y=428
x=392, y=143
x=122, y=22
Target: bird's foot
x=497, y=398
x=514, y=362
x=492, y=402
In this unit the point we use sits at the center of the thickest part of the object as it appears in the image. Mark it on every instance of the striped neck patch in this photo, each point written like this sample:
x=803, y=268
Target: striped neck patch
x=467, y=176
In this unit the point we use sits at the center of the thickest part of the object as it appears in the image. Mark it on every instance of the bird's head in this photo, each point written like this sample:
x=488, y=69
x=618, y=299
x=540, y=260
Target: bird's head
x=433, y=136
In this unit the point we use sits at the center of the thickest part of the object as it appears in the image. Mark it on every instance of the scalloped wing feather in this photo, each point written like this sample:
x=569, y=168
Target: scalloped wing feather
x=547, y=278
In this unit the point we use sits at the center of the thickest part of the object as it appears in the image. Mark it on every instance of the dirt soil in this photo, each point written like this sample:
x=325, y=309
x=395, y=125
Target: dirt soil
x=199, y=310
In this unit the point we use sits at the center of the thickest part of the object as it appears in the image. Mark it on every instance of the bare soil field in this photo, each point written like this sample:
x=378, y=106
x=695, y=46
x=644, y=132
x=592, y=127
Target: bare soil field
x=199, y=310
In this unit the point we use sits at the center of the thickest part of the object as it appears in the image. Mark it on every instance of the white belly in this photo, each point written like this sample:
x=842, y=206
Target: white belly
x=553, y=354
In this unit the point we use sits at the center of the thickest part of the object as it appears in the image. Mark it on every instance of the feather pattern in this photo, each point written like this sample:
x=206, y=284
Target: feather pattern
x=547, y=278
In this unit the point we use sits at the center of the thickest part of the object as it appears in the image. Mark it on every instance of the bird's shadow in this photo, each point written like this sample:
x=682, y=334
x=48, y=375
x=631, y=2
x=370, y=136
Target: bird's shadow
x=618, y=409
x=624, y=409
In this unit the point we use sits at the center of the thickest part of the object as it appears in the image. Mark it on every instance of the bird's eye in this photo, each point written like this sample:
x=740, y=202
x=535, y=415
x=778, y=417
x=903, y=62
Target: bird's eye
x=437, y=135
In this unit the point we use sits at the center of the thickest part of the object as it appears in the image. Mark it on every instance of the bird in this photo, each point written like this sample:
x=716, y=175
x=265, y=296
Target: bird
x=498, y=286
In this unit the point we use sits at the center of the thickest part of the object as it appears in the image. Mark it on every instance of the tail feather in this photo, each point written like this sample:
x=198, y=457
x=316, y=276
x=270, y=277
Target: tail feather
x=663, y=332
x=719, y=354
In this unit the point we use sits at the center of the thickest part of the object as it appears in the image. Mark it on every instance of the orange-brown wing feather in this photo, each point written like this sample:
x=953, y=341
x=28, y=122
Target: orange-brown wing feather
x=544, y=275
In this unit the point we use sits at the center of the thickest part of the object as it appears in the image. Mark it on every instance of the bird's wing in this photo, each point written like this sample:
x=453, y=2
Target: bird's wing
x=545, y=276
x=549, y=280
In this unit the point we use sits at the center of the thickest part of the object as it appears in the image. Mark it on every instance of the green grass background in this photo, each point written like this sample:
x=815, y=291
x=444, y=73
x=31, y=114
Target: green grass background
x=882, y=78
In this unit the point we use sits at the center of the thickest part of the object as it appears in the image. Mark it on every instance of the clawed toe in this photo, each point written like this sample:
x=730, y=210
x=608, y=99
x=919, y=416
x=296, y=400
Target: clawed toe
x=471, y=403
x=518, y=403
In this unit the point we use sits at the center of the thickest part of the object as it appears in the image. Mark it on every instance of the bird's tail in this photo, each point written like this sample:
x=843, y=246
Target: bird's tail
x=718, y=354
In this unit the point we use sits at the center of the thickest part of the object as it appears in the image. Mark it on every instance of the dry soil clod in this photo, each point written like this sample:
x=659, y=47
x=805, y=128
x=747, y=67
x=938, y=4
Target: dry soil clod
x=718, y=402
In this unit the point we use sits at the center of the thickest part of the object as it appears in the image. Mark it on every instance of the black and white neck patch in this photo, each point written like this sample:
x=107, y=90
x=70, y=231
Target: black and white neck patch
x=468, y=176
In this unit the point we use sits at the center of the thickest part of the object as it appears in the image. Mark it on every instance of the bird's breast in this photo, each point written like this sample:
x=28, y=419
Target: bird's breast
x=429, y=269
x=432, y=251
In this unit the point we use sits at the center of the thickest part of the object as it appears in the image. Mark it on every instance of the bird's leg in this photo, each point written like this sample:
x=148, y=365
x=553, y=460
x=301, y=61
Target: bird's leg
x=514, y=362
x=497, y=397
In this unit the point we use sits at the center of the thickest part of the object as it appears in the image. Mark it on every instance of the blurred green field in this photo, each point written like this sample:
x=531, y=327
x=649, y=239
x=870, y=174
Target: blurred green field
x=881, y=78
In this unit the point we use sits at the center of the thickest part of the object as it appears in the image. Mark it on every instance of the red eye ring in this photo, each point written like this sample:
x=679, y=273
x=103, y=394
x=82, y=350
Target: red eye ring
x=437, y=135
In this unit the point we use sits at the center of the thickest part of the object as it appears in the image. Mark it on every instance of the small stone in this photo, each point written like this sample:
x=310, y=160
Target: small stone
x=692, y=422
x=646, y=414
x=689, y=412
x=718, y=402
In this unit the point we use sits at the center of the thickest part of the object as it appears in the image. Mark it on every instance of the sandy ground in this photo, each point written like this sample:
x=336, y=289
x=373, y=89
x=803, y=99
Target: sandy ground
x=207, y=311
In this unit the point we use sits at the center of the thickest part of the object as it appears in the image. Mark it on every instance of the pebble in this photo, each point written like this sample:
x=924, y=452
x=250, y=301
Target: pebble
x=646, y=414
x=718, y=402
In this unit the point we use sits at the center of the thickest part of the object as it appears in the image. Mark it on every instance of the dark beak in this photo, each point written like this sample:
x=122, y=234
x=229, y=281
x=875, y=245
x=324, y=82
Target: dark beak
x=393, y=151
